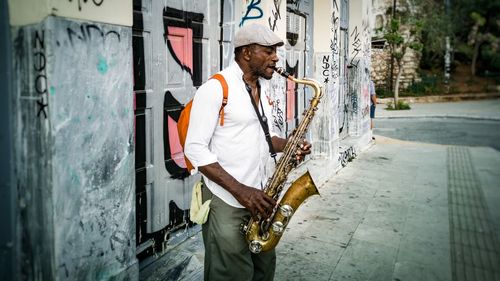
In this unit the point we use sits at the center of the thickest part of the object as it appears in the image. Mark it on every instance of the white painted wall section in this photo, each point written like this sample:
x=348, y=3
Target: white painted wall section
x=322, y=28
x=24, y=12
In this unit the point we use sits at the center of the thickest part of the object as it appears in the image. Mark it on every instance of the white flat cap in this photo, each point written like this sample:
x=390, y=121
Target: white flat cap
x=256, y=34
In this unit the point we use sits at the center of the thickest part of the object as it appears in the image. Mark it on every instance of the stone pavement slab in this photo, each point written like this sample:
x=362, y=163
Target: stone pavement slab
x=399, y=211
x=386, y=216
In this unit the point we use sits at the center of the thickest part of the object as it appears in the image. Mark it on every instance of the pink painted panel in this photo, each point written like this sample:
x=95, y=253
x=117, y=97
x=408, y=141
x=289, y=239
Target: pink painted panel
x=175, y=144
x=290, y=99
x=181, y=40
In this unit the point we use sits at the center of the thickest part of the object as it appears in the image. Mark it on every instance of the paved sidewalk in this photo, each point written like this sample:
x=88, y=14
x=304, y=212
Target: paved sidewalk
x=399, y=211
x=483, y=109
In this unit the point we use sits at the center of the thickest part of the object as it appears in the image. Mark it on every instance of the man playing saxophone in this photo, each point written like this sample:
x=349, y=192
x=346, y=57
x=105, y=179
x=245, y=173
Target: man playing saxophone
x=234, y=157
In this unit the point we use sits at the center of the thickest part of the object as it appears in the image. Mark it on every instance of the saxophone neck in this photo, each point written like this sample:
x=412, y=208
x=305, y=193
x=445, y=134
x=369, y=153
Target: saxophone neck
x=310, y=82
x=283, y=73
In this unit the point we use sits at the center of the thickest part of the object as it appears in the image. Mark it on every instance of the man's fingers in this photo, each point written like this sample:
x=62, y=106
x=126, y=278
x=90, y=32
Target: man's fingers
x=267, y=206
x=262, y=205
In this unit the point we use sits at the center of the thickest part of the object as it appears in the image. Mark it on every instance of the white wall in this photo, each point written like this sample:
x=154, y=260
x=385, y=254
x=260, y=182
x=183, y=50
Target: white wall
x=359, y=66
x=23, y=12
x=322, y=26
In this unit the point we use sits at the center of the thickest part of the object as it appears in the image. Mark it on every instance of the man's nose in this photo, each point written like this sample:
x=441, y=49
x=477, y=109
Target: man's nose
x=275, y=57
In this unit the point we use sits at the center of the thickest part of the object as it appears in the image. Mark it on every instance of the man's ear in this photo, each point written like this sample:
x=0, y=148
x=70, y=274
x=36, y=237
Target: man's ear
x=247, y=52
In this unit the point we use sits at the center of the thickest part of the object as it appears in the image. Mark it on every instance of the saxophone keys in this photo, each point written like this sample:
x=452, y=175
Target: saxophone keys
x=286, y=211
x=278, y=227
x=255, y=247
x=243, y=228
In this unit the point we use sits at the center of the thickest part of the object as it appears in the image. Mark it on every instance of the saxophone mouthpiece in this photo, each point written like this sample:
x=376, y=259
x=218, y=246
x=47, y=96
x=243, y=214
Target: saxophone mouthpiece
x=282, y=72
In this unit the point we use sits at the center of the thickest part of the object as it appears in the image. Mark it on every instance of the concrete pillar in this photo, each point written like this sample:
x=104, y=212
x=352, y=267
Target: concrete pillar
x=326, y=66
x=74, y=145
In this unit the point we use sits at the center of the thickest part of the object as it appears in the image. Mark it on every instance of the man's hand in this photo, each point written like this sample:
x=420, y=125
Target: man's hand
x=303, y=150
x=255, y=201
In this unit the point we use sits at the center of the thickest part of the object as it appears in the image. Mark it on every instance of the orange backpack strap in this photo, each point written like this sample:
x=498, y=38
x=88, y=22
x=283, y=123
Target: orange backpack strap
x=183, y=122
x=223, y=83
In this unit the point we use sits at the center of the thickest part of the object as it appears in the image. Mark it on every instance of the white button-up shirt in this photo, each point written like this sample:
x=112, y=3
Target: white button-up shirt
x=239, y=146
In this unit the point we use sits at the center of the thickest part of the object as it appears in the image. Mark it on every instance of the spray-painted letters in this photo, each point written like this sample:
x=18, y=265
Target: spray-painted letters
x=253, y=12
x=275, y=15
x=90, y=32
x=39, y=66
x=95, y=2
x=356, y=45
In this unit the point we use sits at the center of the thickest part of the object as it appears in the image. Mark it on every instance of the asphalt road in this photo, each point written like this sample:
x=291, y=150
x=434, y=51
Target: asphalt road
x=448, y=131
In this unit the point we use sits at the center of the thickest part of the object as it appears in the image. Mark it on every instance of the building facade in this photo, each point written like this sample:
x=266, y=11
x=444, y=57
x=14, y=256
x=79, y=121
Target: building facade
x=96, y=179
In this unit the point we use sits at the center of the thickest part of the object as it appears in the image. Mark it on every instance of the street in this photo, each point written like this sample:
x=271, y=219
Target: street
x=449, y=131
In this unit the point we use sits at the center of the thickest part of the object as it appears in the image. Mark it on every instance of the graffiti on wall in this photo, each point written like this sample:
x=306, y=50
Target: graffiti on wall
x=275, y=15
x=278, y=119
x=321, y=129
x=278, y=87
x=94, y=2
x=296, y=99
x=325, y=68
x=31, y=49
x=90, y=33
x=39, y=67
x=181, y=29
x=356, y=47
x=253, y=11
x=347, y=155
x=160, y=187
x=357, y=111
x=82, y=135
x=102, y=175
x=185, y=69
x=328, y=71
x=334, y=46
x=294, y=4
x=334, y=86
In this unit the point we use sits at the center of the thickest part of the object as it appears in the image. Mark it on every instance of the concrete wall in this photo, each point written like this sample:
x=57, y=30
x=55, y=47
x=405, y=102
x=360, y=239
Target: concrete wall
x=74, y=149
x=23, y=12
x=99, y=167
x=326, y=66
x=359, y=68
x=168, y=79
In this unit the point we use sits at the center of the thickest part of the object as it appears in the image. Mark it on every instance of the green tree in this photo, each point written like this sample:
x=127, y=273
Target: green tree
x=477, y=33
x=403, y=32
x=478, y=36
x=436, y=26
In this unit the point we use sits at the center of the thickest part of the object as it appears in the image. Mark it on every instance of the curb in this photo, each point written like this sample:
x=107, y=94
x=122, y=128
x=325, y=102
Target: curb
x=443, y=98
x=471, y=117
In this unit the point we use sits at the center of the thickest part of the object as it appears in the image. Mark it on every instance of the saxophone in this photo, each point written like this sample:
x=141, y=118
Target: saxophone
x=264, y=234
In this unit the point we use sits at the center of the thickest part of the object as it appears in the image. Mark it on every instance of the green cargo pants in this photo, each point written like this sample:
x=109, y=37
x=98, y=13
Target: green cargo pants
x=227, y=256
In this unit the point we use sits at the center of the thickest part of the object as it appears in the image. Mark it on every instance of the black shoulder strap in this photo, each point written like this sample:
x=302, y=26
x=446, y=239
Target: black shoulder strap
x=262, y=119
